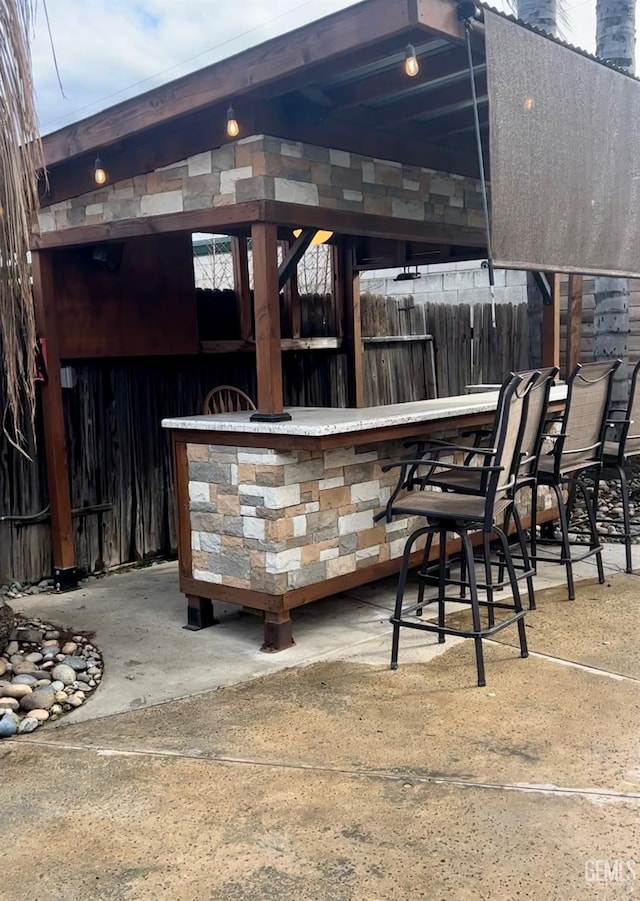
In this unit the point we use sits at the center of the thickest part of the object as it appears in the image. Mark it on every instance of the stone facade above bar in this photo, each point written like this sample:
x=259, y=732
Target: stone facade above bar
x=261, y=167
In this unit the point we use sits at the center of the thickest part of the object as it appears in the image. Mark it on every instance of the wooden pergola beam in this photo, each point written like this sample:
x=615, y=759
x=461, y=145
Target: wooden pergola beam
x=240, y=261
x=551, y=323
x=574, y=323
x=240, y=216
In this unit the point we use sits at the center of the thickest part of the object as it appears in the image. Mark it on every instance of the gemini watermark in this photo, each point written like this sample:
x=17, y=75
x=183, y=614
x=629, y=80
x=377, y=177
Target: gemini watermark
x=611, y=870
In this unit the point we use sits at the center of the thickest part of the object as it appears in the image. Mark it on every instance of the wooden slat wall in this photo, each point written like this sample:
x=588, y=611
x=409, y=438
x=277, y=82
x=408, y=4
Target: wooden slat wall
x=586, y=344
x=119, y=454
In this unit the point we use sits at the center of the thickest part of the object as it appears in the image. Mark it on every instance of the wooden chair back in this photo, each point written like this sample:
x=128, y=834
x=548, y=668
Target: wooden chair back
x=226, y=399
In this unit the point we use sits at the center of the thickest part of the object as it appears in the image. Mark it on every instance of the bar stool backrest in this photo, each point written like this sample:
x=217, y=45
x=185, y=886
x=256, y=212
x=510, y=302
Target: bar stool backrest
x=535, y=417
x=631, y=431
x=508, y=435
x=585, y=417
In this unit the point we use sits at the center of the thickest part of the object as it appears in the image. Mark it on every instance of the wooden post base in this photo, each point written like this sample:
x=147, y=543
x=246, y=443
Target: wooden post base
x=199, y=613
x=277, y=632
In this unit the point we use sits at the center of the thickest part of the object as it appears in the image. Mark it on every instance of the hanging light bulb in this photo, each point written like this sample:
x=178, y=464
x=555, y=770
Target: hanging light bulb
x=99, y=174
x=411, y=65
x=233, y=129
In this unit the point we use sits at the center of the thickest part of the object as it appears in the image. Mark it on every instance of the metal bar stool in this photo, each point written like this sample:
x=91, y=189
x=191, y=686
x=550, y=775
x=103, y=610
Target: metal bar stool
x=578, y=450
x=618, y=453
x=462, y=514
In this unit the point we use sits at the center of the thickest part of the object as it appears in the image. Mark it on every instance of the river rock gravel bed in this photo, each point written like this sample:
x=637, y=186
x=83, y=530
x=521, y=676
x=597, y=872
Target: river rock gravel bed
x=45, y=673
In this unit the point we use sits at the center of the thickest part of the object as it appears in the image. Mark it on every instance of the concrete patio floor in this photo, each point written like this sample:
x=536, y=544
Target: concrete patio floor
x=338, y=780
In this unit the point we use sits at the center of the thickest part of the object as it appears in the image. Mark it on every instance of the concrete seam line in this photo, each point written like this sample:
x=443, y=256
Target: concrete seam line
x=562, y=661
x=592, y=794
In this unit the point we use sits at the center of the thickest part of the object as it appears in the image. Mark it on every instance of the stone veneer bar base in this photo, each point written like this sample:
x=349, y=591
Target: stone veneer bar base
x=271, y=530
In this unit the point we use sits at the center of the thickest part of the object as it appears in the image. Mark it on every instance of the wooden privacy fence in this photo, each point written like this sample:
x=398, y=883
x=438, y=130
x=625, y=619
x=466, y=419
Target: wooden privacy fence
x=468, y=350
x=120, y=458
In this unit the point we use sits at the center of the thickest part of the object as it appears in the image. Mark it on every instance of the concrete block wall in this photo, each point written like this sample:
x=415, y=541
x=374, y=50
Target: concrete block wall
x=464, y=282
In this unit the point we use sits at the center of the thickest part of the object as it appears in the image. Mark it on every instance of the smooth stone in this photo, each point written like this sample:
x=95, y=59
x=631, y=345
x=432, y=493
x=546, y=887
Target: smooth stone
x=8, y=725
x=15, y=691
x=41, y=715
x=84, y=677
x=76, y=663
x=26, y=679
x=35, y=657
x=74, y=700
x=9, y=704
x=40, y=699
x=57, y=685
x=42, y=674
x=53, y=634
x=4, y=666
x=33, y=635
x=47, y=664
x=28, y=724
x=60, y=657
x=51, y=651
x=63, y=673
x=16, y=658
x=12, y=648
x=27, y=667
x=70, y=647
x=56, y=710
x=89, y=647
x=60, y=696
x=94, y=670
x=78, y=638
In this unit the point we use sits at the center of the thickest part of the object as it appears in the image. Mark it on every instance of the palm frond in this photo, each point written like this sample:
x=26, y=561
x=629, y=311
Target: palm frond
x=20, y=160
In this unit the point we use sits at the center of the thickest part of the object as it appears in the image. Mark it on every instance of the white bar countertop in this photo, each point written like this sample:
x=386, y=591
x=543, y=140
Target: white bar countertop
x=316, y=422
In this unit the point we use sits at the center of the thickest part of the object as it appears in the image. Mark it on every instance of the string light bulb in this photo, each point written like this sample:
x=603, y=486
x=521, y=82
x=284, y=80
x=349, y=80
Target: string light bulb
x=99, y=174
x=411, y=65
x=233, y=129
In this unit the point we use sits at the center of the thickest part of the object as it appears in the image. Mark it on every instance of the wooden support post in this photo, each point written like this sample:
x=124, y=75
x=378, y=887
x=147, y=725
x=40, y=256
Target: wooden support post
x=266, y=302
x=199, y=613
x=277, y=631
x=574, y=323
x=292, y=302
x=349, y=280
x=551, y=323
x=240, y=258
x=337, y=290
x=63, y=551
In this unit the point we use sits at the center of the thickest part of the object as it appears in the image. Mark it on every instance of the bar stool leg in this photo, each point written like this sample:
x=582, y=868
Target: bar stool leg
x=624, y=488
x=593, y=526
x=396, y=619
x=467, y=551
x=525, y=557
x=442, y=577
x=486, y=546
x=517, y=602
x=425, y=565
x=566, y=548
x=534, y=526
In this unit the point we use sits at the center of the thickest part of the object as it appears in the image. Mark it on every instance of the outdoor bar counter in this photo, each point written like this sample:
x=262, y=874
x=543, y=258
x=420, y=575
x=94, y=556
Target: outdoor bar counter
x=275, y=515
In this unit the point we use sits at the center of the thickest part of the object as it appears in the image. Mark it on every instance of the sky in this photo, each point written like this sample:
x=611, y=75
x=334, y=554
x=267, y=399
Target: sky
x=109, y=50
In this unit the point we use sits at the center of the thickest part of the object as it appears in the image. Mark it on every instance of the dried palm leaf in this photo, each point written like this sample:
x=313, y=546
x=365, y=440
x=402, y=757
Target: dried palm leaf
x=20, y=160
